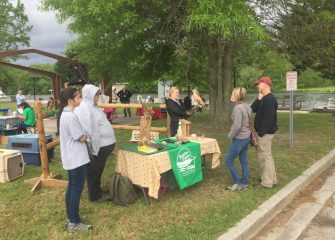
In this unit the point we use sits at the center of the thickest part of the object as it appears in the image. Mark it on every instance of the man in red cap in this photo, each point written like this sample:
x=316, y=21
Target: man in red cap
x=265, y=107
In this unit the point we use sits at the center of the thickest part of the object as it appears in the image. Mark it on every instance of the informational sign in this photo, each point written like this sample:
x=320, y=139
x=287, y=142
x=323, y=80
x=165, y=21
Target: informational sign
x=292, y=81
x=291, y=85
x=163, y=90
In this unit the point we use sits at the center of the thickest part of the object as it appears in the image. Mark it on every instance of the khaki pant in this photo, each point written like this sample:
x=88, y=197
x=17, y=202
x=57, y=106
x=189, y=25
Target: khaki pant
x=265, y=160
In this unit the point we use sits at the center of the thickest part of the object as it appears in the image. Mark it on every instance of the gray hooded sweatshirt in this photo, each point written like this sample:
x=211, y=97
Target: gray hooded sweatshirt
x=94, y=121
x=240, y=117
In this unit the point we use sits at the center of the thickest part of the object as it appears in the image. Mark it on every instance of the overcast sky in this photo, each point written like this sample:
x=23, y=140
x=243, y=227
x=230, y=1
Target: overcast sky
x=46, y=34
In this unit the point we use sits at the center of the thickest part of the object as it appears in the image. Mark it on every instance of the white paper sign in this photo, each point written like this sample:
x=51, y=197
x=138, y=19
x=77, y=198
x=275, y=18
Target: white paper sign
x=292, y=81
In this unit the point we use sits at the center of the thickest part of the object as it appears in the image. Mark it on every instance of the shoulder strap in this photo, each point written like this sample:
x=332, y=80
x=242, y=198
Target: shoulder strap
x=251, y=123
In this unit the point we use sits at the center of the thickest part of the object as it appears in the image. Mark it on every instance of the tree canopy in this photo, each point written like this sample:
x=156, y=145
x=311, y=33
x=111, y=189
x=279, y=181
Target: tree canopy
x=206, y=43
x=307, y=33
x=13, y=27
x=13, y=33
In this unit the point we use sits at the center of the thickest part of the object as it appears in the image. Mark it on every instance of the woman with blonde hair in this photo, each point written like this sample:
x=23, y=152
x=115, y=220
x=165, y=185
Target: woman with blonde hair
x=176, y=109
x=240, y=135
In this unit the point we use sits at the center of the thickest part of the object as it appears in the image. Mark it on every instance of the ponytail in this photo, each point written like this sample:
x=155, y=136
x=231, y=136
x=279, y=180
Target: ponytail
x=65, y=95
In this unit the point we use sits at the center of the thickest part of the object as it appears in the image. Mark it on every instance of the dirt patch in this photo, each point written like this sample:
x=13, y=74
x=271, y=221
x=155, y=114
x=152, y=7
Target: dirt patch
x=305, y=196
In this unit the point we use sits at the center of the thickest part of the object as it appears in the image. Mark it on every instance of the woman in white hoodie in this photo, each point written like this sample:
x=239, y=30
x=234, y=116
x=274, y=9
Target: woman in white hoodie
x=101, y=136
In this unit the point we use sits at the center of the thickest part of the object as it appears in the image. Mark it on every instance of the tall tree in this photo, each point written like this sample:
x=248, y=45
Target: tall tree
x=149, y=40
x=13, y=33
x=227, y=26
x=307, y=33
x=13, y=27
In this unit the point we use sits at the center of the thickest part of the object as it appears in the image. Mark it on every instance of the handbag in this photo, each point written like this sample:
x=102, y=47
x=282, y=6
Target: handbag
x=253, y=139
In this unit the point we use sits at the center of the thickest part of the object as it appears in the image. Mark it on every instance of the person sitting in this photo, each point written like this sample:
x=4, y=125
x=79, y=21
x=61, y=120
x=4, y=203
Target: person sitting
x=198, y=101
x=28, y=117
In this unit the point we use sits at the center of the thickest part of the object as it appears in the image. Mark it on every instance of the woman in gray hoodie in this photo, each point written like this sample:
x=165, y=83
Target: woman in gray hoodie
x=101, y=136
x=240, y=135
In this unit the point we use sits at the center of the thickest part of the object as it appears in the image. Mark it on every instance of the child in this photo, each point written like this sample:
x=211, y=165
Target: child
x=74, y=156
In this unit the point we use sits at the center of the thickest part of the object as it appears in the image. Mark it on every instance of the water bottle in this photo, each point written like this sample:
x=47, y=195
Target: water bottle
x=9, y=113
x=179, y=131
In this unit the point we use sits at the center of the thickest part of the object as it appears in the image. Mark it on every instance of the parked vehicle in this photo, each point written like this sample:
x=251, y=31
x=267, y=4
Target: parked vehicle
x=329, y=107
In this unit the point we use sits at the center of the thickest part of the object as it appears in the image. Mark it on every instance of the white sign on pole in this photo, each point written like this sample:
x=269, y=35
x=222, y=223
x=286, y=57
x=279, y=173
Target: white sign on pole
x=292, y=81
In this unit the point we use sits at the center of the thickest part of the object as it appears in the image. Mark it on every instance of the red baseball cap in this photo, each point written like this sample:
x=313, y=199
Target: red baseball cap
x=266, y=80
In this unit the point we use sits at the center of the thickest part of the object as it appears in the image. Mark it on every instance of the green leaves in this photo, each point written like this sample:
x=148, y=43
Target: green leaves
x=225, y=18
x=13, y=26
x=144, y=40
x=307, y=33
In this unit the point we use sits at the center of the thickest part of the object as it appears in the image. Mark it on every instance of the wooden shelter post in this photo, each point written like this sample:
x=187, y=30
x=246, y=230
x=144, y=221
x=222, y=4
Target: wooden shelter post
x=46, y=179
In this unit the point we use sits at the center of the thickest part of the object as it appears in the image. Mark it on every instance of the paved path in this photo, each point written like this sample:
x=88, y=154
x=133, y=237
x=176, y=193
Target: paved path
x=312, y=217
x=323, y=225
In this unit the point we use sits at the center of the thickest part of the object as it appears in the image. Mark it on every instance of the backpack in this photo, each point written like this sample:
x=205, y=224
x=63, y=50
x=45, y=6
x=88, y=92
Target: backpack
x=121, y=190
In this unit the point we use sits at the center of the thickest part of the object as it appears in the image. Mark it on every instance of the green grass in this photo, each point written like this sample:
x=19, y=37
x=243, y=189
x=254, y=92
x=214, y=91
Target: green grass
x=11, y=105
x=203, y=211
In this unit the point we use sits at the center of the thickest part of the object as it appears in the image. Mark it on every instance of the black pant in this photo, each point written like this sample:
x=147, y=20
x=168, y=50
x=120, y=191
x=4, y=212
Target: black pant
x=174, y=128
x=125, y=110
x=22, y=128
x=95, y=170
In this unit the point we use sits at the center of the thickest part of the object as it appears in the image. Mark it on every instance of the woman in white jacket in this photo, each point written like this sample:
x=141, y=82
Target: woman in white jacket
x=101, y=136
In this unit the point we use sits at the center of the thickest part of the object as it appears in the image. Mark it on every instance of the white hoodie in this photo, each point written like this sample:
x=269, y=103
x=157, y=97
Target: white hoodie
x=93, y=120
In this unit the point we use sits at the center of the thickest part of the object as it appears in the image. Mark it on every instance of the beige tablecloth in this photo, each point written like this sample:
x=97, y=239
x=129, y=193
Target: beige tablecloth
x=145, y=170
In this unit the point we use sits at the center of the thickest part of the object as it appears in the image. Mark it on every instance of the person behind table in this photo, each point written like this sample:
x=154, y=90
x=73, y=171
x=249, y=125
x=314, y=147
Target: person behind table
x=265, y=107
x=19, y=98
x=240, y=135
x=124, y=94
x=74, y=156
x=176, y=109
x=28, y=117
x=101, y=135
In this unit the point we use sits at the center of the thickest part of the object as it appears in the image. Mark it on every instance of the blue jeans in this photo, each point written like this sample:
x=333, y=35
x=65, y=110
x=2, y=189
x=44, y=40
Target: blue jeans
x=75, y=188
x=239, y=147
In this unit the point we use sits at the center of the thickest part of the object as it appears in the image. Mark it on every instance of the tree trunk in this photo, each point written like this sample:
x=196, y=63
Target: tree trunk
x=228, y=68
x=220, y=65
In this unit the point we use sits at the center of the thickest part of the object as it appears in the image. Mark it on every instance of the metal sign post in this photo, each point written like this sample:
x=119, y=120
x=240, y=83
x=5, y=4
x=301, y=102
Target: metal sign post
x=291, y=85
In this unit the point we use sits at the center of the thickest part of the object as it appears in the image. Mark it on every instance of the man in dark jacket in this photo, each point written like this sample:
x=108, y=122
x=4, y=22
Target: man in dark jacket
x=124, y=95
x=265, y=107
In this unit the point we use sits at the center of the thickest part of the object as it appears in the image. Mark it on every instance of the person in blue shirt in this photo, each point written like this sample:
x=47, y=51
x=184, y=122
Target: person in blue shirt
x=20, y=98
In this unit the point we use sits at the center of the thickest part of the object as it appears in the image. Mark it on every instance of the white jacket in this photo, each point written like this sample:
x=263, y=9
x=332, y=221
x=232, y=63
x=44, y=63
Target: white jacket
x=93, y=120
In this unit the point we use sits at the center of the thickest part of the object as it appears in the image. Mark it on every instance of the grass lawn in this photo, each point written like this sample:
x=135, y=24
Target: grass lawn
x=329, y=89
x=203, y=211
